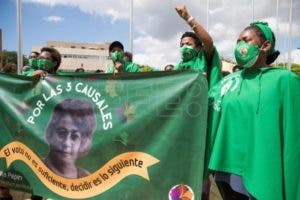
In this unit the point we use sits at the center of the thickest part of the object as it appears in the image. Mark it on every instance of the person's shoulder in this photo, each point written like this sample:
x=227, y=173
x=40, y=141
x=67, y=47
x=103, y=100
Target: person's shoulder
x=131, y=67
x=281, y=73
x=283, y=78
x=179, y=66
x=133, y=64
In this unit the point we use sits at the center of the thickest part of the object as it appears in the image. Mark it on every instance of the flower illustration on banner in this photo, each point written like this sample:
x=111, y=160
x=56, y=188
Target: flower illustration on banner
x=16, y=127
x=181, y=192
x=126, y=112
x=110, y=88
x=123, y=138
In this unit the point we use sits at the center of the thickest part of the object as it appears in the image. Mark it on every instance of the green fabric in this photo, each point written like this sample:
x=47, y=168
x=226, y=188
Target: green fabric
x=187, y=53
x=254, y=131
x=44, y=64
x=28, y=72
x=264, y=27
x=32, y=62
x=246, y=54
x=213, y=70
x=160, y=114
x=117, y=56
x=72, y=73
x=127, y=67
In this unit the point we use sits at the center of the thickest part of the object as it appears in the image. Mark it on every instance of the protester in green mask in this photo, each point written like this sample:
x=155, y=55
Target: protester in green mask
x=47, y=62
x=33, y=59
x=32, y=63
x=253, y=124
x=197, y=50
x=116, y=53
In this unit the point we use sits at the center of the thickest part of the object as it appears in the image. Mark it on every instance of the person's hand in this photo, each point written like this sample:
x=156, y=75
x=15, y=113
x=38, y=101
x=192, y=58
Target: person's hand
x=118, y=67
x=25, y=68
x=182, y=12
x=39, y=73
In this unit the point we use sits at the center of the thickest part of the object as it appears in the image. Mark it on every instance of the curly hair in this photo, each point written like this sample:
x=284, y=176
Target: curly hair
x=193, y=35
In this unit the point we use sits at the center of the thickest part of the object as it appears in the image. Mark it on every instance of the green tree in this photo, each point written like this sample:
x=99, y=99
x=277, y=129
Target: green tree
x=146, y=68
x=11, y=57
x=294, y=67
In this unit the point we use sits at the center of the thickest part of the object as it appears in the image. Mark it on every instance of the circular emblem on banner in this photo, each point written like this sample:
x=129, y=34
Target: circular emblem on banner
x=181, y=192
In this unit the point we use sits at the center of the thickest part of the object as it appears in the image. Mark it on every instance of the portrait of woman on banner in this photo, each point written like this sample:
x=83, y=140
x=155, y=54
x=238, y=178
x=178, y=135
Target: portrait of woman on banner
x=69, y=135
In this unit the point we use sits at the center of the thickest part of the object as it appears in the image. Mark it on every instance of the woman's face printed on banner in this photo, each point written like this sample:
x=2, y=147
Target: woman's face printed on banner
x=67, y=138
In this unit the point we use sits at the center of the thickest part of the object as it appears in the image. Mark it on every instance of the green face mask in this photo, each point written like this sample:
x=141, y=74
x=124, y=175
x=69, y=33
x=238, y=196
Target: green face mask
x=32, y=62
x=117, y=56
x=187, y=53
x=246, y=54
x=44, y=64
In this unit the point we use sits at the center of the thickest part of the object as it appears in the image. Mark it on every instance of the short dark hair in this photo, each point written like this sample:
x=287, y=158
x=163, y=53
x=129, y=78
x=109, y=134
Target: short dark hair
x=128, y=55
x=115, y=44
x=193, y=35
x=169, y=66
x=35, y=52
x=79, y=70
x=55, y=55
x=99, y=71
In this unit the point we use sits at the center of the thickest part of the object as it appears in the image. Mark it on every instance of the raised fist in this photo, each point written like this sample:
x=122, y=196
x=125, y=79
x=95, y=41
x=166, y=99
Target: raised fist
x=182, y=12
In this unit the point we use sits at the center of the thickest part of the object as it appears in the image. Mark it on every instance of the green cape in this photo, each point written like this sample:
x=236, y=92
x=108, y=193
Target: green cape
x=254, y=128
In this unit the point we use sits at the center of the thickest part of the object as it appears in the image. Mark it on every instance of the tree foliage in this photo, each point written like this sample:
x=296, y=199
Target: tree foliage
x=294, y=67
x=146, y=68
x=11, y=57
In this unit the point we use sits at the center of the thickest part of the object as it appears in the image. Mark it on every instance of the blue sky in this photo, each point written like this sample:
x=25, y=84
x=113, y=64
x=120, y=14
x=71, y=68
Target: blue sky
x=73, y=26
x=157, y=27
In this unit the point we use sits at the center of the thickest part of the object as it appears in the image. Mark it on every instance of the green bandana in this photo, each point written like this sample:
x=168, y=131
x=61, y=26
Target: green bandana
x=117, y=56
x=32, y=62
x=187, y=53
x=44, y=64
x=264, y=27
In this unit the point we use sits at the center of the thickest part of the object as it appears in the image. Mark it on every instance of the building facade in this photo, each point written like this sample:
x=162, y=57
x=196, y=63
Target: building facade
x=89, y=56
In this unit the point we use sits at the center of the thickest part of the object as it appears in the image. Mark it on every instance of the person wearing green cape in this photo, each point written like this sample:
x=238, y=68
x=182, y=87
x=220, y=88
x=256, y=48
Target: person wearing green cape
x=116, y=53
x=254, y=124
x=197, y=50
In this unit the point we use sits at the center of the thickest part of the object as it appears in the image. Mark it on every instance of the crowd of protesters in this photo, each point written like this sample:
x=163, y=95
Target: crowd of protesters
x=246, y=145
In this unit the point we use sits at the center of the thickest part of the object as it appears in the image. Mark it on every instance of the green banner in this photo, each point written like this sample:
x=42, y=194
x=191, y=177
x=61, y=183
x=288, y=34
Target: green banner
x=128, y=136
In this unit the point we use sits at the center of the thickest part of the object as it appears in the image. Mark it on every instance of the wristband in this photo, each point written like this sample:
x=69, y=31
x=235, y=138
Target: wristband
x=190, y=19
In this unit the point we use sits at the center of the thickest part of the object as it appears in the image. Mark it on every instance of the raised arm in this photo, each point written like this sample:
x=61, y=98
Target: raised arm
x=199, y=30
